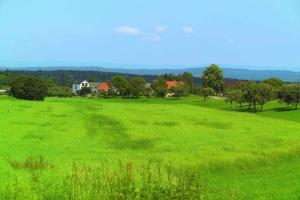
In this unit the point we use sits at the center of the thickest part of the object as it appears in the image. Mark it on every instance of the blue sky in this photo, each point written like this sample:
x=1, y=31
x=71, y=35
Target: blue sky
x=150, y=32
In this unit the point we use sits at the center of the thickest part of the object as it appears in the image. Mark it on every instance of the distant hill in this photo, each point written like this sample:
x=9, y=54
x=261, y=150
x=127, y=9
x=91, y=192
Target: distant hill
x=230, y=73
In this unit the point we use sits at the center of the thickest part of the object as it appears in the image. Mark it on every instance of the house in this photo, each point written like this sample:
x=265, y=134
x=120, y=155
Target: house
x=3, y=91
x=170, y=85
x=78, y=85
x=94, y=86
x=103, y=87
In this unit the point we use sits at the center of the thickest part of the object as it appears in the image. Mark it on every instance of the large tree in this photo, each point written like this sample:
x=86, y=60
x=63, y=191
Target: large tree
x=120, y=84
x=213, y=78
x=250, y=93
x=234, y=95
x=29, y=88
x=290, y=94
x=188, y=80
x=159, y=87
x=136, y=86
x=266, y=93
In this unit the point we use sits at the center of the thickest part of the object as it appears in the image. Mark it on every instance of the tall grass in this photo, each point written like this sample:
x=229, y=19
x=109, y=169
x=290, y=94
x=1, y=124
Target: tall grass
x=81, y=182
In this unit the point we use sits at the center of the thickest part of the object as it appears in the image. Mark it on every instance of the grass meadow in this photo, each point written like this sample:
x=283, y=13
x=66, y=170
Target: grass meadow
x=90, y=148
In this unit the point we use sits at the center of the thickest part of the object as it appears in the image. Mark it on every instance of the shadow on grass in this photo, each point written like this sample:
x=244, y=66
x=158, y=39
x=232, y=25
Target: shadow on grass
x=284, y=109
x=115, y=133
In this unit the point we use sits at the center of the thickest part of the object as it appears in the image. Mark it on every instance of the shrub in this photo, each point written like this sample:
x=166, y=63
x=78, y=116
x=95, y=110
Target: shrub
x=180, y=90
x=59, y=92
x=30, y=88
x=85, y=91
x=206, y=92
x=159, y=87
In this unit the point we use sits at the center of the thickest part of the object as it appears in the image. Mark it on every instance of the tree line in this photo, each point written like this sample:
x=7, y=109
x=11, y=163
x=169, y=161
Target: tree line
x=255, y=94
x=250, y=95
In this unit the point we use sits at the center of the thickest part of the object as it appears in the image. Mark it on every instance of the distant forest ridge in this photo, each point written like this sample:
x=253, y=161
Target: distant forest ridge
x=230, y=73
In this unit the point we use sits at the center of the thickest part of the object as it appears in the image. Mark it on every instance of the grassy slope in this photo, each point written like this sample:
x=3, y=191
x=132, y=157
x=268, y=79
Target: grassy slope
x=235, y=154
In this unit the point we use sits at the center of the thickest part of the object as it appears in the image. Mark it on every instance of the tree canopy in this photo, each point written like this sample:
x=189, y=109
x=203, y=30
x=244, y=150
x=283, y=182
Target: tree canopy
x=30, y=88
x=213, y=78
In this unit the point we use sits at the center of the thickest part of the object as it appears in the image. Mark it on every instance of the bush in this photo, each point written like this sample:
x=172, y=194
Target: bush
x=160, y=88
x=85, y=91
x=59, y=92
x=29, y=88
x=206, y=92
x=180, y=90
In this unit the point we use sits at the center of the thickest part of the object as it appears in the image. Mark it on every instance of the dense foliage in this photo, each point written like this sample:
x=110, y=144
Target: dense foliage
x=84, y=91
x=290, y=94
x=56, y=91
x=159, y=87
x=136, y=86
x=259, y=93
x=29, y=88
x=205, y=92
x=213, y=78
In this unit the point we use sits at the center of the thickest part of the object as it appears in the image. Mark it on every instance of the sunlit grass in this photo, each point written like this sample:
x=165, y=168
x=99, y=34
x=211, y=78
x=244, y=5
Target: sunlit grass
x=208, y=146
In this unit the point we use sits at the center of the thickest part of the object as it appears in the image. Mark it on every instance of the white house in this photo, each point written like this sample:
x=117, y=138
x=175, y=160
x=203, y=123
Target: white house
x=77, y=86
x=93, y=85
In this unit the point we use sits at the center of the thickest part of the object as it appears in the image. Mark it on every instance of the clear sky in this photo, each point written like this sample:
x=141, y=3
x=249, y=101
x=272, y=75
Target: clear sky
x=150, y=32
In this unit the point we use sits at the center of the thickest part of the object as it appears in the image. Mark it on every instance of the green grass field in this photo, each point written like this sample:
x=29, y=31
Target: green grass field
x=203, y=150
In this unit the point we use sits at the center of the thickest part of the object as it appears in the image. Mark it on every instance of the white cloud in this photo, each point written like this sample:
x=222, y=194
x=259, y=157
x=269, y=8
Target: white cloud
x=160, y=29
x=128, y=30
x=188, y=30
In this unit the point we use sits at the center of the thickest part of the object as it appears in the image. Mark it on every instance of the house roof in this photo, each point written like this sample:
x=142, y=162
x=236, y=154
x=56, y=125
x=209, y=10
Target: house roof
x=103, y=86
x=171, y=84
x=94, y=84
x=79, y=82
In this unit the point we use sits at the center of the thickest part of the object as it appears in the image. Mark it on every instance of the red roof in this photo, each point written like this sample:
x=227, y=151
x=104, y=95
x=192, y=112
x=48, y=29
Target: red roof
x=171, y=84
x=103, y=86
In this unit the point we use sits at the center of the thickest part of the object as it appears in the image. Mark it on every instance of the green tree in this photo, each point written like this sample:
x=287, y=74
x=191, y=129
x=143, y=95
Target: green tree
x=120, y=84
x=234, y=95
x=180, y=90
x=290, y=94
x=250, y=93
x=30, y=88
x=188, y=80
x=213, y=78
x=206, y=92
x=159, y=87
x=84, y=91
x=275, y=82
x=136, y=86
x=265, y=93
